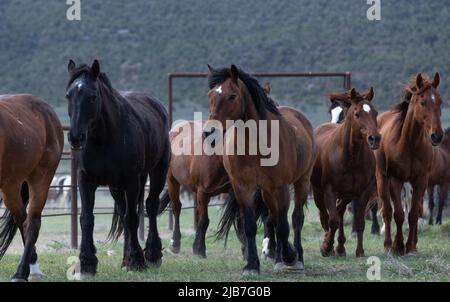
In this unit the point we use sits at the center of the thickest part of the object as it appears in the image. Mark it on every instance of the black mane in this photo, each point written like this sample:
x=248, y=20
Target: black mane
x=260, y=99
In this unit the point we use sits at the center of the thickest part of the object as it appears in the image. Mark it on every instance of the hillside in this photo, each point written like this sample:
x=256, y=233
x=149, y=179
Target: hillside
x=138, y=42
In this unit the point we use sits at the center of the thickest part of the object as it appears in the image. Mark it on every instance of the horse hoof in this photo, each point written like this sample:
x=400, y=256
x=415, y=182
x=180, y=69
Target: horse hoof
x=88, y=276
x=156, y=264
x=250, y=273
x=18, y=280
x=360, y=254
x=283, y=267
x=326, y=253
x=35, y=278
x=341, y=253
x=174, y=249
x=200, y=255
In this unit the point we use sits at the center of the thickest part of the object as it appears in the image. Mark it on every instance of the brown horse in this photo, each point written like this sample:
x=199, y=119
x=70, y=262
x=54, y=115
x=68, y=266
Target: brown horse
x=439, y=176
x=237, y=96
x=409, y=132
x=31, y=144
x=202, y=174
x=345, y=168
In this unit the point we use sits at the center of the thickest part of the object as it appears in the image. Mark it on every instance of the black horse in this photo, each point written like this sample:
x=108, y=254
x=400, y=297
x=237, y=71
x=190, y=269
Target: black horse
x=337, y=111
x=122, y=138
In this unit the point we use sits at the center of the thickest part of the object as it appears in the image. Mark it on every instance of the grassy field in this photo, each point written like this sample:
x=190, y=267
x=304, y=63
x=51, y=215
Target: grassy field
x=432, y=263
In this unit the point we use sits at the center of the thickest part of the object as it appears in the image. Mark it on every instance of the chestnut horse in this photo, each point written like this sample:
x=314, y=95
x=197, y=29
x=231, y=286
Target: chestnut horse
x=202, y=174
x=337, y=111
x=237, y=96
x=440, y=177
x=409, y=132
x=31, y=144
x=345, y=168
x=122, y=138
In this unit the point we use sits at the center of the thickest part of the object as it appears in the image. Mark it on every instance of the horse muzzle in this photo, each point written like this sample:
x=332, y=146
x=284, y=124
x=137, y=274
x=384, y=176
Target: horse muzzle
x=77, y=141
x=374, y=141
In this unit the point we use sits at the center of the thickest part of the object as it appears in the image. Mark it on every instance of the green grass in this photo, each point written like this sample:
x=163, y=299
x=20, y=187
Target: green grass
x=432, y=263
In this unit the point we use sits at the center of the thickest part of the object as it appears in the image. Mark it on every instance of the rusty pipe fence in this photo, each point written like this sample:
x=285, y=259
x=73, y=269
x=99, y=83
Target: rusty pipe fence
x=70, y=155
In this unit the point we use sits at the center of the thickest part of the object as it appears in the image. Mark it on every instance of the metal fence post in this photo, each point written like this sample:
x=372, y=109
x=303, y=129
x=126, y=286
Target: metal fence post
x=74, y=201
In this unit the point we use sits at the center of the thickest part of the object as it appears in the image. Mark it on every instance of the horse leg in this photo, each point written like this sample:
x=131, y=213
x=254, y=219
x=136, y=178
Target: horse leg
x=333, y=223
x=419, y=188
x=430, y=203
x=383, y=194
x=301, y=189
x=443, y=194
x=340, y=249
x=244, y=196
x=375, y=225
x=199, y=246
x=269, y=243
x=174, y=194
x=396, y=188
x=88, y=260
x=354, y=210
x=323, y=212
x=278, y=203
x=120, y=203
x=134, y=255
x=153, y=245
x=13, y=202
x=361, y=219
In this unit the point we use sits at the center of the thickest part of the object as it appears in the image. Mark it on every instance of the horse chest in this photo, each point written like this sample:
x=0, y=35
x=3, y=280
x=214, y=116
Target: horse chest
x=109, y=167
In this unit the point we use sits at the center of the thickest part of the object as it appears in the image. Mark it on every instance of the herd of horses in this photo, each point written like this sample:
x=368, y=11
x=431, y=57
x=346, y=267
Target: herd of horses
x=122, y=139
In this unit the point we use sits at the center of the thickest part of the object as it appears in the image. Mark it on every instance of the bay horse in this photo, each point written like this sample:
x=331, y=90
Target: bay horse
x=345, y=168
x=31, y=144
x=439, y=176
x=337, y=111
x=410, y=131
x=121, y=138
x=237, y=96
x=202, y=174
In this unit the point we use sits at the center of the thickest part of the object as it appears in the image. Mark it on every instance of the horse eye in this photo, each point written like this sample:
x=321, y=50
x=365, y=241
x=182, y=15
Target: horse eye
x=357, y=115
x=232, y=97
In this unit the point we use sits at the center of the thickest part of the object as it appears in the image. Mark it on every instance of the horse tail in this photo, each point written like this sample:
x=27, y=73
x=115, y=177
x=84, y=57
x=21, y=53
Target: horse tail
x=116, y=225
x=231, y=214
x=164, y=202
x=8, y=227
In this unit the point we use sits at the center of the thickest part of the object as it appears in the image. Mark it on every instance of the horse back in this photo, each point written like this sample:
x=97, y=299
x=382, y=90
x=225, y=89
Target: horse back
x=31, y=133
x=304, y=137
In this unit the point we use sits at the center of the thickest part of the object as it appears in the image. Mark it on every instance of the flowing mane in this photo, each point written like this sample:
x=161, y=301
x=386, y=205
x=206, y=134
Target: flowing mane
x=409, y=90
x=345, y=98
x=260, y=99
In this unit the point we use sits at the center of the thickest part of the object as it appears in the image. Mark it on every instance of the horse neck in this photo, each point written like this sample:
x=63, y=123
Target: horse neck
x=412, y=134
x=352, y=141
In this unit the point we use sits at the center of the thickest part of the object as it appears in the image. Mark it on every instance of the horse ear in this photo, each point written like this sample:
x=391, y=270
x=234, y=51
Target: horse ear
x=71, y=66
x=95, y=69
x=352, y=94
x=234, y=73
x=419, y=81
x=211, y=69
x=370, y=94
x=436, y=80
x=267, y=88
